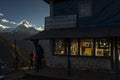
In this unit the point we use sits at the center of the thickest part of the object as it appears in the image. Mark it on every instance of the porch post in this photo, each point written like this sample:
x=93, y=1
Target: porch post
x=116, y=60
x=68, y=60
x=17, y=60
x=35, y=42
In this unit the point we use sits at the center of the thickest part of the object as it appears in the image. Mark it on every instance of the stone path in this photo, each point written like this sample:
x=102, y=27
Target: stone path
x=60, y=74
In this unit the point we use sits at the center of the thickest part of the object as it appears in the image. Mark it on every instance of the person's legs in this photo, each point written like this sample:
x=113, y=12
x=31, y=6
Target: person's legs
x=37, y=64
x=31, y=63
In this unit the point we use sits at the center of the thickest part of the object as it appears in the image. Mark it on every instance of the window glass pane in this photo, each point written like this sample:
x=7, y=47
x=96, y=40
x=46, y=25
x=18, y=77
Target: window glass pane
x=59, y=46
x=85, y=7
x=86, y=47
x=103, y=47
x=74, y=47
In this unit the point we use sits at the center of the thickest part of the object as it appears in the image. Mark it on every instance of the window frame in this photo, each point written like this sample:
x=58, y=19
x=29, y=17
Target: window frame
x=103, y=47
x=54, y=50
x=80, y=48
x=68, y=42
x=90, y=8
x=77, y=46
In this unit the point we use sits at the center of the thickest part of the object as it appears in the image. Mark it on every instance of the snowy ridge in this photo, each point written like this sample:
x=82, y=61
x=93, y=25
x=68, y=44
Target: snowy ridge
x=3, y=27
x=24, y=26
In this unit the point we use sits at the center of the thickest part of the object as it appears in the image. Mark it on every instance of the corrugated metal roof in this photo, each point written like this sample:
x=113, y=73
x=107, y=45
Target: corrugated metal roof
x=89, y=32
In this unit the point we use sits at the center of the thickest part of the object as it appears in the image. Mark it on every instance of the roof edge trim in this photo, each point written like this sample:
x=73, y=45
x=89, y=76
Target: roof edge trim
x=47, y=1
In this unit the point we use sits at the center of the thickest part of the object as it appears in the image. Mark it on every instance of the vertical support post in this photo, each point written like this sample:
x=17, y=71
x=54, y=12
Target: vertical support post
x=69, y=65
x=116, y=60
x=16, y=56
x=112, y=51
x=35, y=42
x=51, y=8
x=68, y=60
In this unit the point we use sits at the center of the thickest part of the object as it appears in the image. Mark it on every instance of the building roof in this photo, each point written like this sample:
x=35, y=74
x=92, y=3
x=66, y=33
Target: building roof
x=48, y=1
x=88, y=32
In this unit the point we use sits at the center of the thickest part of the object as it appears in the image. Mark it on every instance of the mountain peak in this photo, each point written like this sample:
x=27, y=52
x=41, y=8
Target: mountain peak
x=25, y=23
x=24, y=27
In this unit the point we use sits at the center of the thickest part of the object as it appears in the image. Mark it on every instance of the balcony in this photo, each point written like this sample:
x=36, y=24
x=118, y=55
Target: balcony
x=59, y=22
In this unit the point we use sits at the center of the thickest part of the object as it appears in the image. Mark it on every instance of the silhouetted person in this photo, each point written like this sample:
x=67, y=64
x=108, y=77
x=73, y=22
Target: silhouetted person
x=39, y=57
x=32, y=59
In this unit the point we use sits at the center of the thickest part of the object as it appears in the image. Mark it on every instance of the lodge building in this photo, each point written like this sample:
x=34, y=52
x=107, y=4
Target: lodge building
x=82, y=34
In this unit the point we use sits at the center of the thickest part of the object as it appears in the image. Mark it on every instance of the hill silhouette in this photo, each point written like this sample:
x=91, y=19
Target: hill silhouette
x=8, y=52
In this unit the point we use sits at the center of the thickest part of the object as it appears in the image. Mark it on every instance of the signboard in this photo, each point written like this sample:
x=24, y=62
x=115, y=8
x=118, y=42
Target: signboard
x=68, y=21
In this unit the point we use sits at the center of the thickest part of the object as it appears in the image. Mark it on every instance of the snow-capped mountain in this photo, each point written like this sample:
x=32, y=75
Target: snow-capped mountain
x=19, y=33
x=23, y=27
x=7, y=30
x=3, y=27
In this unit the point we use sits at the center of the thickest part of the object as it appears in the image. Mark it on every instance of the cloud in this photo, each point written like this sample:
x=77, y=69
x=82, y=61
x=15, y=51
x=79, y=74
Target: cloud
x=1, y=14
x=39, y=28
x=12, y=22
x=8, y=21
x=2, y=26
x=5, y=20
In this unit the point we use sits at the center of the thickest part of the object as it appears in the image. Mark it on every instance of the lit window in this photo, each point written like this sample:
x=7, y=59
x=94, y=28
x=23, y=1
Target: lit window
x=74, y=47
x=86, y=47
x=103, y=47
x=85, y=7
x=59, y=46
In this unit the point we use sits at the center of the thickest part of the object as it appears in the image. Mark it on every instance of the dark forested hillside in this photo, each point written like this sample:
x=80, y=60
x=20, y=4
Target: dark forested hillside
x=8, y=52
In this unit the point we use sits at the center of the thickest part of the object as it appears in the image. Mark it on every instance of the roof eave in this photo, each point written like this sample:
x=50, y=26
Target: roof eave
x=47, y=1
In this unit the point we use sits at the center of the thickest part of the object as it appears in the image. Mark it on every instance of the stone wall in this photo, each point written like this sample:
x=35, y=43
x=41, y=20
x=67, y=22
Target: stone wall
x=79, y=63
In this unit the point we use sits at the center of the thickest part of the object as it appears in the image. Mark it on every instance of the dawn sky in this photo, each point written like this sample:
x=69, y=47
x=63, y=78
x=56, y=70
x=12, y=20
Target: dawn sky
x=13, y=12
